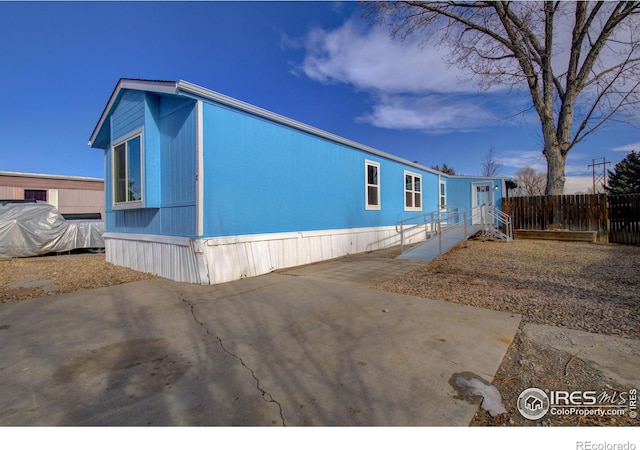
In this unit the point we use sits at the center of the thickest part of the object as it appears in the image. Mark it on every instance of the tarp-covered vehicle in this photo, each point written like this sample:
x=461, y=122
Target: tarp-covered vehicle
x=31, y=229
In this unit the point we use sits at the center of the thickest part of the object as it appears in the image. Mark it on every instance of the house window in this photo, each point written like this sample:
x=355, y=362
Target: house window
x=127, y=171
x=443, y=194
x=412, y=192
x=38, y=195
x=372, y=185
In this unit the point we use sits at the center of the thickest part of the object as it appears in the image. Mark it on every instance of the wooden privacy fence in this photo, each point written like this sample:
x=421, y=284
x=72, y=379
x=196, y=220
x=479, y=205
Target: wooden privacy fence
x=616, y=218
x=572, y=212
x=624, y=218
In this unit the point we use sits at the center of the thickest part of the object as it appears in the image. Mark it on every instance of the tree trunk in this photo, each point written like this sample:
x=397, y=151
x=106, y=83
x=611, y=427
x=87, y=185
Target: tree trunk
x=555, y=170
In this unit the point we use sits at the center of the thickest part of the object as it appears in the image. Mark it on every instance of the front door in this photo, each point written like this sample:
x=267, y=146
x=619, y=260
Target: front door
x=482, y=195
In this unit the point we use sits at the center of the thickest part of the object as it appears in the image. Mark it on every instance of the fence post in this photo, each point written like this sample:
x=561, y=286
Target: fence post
x=432, y=224
x=426, y=233
x=464, y=219
x=439, y=236
x=484, y=229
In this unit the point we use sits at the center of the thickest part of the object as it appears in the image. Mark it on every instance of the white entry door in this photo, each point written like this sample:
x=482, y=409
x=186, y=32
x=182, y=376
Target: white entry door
x=482, y=194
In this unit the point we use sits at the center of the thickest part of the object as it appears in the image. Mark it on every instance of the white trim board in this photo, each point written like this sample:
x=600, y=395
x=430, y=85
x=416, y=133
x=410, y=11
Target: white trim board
x=199, y=169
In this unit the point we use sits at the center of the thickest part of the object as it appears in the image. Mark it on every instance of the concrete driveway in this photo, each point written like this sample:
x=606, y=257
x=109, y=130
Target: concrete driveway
x=293, y=348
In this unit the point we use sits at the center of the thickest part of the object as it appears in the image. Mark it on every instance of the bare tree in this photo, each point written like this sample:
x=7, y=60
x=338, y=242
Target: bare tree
x=578, y=60
x=530, y=182
x=490, y=165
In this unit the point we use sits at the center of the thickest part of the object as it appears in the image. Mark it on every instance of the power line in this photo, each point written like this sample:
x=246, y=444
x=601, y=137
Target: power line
x=598, y=178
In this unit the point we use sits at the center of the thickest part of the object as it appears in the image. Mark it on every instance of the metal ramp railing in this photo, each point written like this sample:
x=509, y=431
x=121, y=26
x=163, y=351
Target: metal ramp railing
x=496, y=223
x=485, y=219
x=428, y=224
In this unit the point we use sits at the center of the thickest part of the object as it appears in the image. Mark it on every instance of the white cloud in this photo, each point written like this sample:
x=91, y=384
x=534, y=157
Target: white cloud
x=430, y=113
x=575, y=185
x=367, y=58
x=575, y=165
x=411, y=86
x=578, y=164
x=627, y=148
x=287, y=42
x=515, y=159
x=575, y=180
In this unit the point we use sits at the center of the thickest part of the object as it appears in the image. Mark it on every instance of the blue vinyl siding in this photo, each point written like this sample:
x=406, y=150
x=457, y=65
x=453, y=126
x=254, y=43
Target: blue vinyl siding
x=152, y=141
x=178, y=155
x=128, y=115
x=175, y=221
x=178, y=162
x=169, y=165
x=264, y=177
x=459, y=191
x=260, y=176
x=144, y=220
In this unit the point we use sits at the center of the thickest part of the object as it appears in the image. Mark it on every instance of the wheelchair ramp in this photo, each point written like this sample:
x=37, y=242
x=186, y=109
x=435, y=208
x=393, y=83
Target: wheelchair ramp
x=435, y=246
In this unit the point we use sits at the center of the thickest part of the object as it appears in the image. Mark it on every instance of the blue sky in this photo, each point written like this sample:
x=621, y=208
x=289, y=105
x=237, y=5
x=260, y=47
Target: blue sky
x=318, y=63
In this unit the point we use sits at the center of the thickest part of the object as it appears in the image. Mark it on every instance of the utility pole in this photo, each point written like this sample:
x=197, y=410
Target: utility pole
x=597, y=177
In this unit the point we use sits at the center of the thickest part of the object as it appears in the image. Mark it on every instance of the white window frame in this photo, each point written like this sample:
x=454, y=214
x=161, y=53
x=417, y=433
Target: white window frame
x=412, y=191
x=367, y=204
x=127, y=204
x=442, y=198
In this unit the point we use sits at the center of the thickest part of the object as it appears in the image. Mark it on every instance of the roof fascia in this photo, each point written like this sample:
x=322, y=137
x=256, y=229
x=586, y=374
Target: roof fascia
x=160, y=87
x=5, y=173
x=480, y=177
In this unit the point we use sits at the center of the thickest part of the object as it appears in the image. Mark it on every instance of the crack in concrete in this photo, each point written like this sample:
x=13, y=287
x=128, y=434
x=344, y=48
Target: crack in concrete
x=200, y=300
x=267, y=397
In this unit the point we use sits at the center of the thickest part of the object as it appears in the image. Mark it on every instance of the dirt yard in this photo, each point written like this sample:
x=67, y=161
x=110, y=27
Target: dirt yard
x=24, y=278
x=573, y=285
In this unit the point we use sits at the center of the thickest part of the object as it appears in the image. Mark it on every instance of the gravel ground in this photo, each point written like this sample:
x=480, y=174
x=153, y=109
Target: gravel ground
x=24, y=278
x=573, y=285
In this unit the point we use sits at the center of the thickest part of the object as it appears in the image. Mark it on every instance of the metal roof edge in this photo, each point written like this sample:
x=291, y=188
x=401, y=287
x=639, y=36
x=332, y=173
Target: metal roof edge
x=45, y=175
x=159, y=86
x=497, y=177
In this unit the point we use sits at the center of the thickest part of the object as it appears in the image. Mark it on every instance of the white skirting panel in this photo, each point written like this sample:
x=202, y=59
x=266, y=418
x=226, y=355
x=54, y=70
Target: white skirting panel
x=218, y=260
x=232, y=258
x=169, y=257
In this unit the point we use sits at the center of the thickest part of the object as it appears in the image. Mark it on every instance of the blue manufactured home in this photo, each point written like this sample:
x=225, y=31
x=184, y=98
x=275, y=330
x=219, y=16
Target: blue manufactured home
x=203, y=188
